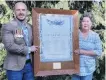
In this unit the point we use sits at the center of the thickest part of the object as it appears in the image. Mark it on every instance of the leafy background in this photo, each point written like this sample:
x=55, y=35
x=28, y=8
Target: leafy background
x=95, y=7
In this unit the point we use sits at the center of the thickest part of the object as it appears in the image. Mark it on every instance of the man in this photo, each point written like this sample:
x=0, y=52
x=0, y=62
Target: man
x=17, y=39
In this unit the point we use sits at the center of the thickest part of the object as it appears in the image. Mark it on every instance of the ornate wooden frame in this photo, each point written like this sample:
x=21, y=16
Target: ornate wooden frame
x=46, y=68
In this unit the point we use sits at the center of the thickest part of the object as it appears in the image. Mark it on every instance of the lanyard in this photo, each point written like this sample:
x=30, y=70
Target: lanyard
x=25, y=33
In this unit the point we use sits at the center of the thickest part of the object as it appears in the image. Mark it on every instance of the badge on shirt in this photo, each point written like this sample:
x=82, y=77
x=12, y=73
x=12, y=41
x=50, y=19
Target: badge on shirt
x=18, y=33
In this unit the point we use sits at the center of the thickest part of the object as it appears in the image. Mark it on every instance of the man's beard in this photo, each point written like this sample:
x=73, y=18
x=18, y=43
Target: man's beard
x=20, y=19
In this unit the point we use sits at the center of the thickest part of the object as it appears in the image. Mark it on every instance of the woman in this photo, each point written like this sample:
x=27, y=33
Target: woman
x=89, y=48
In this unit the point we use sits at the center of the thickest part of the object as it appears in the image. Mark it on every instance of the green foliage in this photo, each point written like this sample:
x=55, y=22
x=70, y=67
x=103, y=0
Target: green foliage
x=94, y=7
x=104, y=41
x=98, y=11
x=2, y=57
x=99, y=74
x=7, y=15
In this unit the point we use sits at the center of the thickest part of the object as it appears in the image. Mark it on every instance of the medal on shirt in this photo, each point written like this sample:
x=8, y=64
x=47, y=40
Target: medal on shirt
x=18, y=33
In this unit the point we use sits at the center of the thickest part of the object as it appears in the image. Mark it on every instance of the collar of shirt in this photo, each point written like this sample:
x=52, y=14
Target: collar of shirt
x=21, y=23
